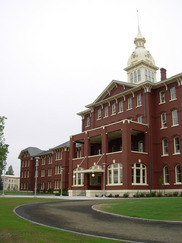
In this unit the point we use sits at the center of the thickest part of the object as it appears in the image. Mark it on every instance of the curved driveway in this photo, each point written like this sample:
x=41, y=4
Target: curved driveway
x=78, y=216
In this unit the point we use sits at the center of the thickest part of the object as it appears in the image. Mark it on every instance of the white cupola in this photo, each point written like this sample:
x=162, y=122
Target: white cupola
x=141, y=65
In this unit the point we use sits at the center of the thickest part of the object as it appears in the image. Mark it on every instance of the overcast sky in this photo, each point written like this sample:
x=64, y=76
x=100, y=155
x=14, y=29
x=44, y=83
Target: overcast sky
x=56, y=56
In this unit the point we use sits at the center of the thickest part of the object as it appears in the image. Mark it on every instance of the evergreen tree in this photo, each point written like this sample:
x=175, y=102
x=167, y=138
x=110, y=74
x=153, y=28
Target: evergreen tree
x=10, y=170
x=3, y=146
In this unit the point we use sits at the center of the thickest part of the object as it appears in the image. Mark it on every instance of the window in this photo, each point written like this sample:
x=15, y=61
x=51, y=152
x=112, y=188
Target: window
x=178, y=173
x=27, y=174
x=140, y=146
x=163, y=120
x=135, y=76
x=99, y=114
x=139, y=100
x=121, y=106
x=106, y=111
x=176, y=145
x=88, y=121
x=131, y=77
x=49, y=172
x=166, y=175
x=173, y=93
x=162, y=97
x=145, y=74
x=164, y=147
x=50, y=159
x=43, y=160
x=152, y=76
x=113, y=109
x=129, y=103
x=139, y=173
x=57, y=184
x=78, y=178
x=49, y=185
x=149, y=75
x=58, y=154
x=115, y=174
x=42, y=173
x=174, y=117
x=139, y=119
x=139, y=75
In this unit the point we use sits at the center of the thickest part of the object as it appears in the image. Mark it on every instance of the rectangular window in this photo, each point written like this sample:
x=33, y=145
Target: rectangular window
x=135, y=76
x=129, y=103
x=113, y=109
x=131, y=77
x=166, y=175
x=139, y=119
x=106, y=111
x=149, y=75
x=174, y=117
x=152, y=77
x=139, y=75
x=176, y=145
x=42, y=173
x=145, y=74
x=88, y=121
x=178, y=174
x=121, y=106
x=140, y=146
x=49, y=172
x=163, y=120
x=139, y=100
x=164, y=147
x=99, y=114
x=162, y=97
x=173, y=93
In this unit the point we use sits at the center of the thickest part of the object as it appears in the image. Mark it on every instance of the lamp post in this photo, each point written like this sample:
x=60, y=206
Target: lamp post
x=36, y=174
x=104, y=190
x=61, y=192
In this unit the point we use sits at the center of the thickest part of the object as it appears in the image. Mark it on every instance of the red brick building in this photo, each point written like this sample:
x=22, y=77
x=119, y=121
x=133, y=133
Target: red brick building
x=131, y=137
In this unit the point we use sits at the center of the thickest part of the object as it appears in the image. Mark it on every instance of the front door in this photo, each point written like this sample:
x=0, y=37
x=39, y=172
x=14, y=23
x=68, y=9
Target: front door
x=95, y=180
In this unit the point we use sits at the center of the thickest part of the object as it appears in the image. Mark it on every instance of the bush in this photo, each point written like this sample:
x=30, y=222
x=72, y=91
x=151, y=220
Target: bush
x=175, y=194
x=117, y=195
x=180, y=194
x=148, y=195
x=125, y=195
x=50, y=191
x=159, y=194
x=142, y=194
x=110, y=195
x=153, y=194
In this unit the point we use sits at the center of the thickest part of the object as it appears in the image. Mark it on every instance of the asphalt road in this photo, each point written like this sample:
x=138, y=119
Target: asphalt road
x=80, y=217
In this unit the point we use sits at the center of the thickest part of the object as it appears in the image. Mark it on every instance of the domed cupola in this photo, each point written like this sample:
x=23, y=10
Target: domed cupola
x=141, y=65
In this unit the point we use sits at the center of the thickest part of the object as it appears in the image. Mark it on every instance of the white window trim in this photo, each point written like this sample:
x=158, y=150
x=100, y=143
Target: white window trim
x=112, y=174
x=134, y=168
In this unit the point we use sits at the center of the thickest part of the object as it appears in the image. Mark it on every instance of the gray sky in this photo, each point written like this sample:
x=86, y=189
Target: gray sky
x=56, y=56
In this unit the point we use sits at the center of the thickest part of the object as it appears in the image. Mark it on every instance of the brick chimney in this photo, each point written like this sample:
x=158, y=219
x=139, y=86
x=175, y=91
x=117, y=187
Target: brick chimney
x=163, y=74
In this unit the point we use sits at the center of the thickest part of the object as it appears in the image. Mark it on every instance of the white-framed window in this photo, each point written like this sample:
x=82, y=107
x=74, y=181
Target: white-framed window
x=113, y=109
x=57, y=184
x=42, y=186
x=88, y=121
x=139, y=75
x=135, y=76
x=43, y=160
x=149, y=75
x=99, y=114
x=25, y=174
x=139, y=119
x=25, y=163
x=162, y=97
x=115, y=174
x=164, y=146
x=57, y=169
x=140, y=146
x=152, y=76
x=139, y=174
x=178, y=174
x=166, y=175
x=78, y=177
x=139, y=100
x=49, y=172
x=59, y=154
x=176, y=145
x=131, y=77
x=28, y=174
x=42, y=173
x=173, y=93
x=29, y=163
x=106, y=111
x=121, y=106
x=145, y=74
x=163, y=120
x=174, y=117
x=49, y=185
x=50, y=159
x=129, y=103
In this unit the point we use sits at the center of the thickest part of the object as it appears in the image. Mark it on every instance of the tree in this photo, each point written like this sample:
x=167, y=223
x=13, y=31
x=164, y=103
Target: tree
x=3, y=146
x=10, y=170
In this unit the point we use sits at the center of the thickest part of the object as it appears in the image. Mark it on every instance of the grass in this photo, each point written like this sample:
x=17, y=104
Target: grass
x=155, y=208
x=14, y=229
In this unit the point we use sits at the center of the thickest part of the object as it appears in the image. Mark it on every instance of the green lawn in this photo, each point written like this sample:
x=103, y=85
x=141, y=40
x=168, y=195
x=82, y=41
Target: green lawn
x=14, y=229
x=155, y=208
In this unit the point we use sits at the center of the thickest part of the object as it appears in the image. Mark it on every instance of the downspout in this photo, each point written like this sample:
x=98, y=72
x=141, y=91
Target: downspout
x=150, y=162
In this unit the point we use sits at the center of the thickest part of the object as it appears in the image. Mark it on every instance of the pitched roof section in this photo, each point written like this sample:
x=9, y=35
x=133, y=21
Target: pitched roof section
x=66, y=144
x=33, y=151
x=112, y=89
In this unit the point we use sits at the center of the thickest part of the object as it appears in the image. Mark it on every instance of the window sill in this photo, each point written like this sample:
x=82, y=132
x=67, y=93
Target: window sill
x=120, y=112
x=105, y=116
x=139, y=184
x=129, y=109
x=113, y=114
x=121, y=184
x=176, y=125
x=166, y=184
x=77, y=185
x=98, y=119
x=178, y=183
x=177, y=153
x=164, y=155
x=162, y=103
x=138, y=106
x=172, y=99
x=162, y=128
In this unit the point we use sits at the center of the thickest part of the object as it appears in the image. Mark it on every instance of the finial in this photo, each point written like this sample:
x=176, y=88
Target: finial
x=138, y=17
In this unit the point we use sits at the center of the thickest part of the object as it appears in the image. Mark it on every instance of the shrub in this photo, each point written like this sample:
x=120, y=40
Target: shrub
x=175, y=194
x=136, y=195
x=180, y=194
x=153, y=194
x=142, y=194
x=117, y=195
x=148, y=195
x=50, y=190
x=159, y=194
x=110, y=195
x=125, y=195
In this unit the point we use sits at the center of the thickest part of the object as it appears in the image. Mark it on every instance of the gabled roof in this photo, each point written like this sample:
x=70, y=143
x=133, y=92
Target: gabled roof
x=33, y=151
x=66, y=144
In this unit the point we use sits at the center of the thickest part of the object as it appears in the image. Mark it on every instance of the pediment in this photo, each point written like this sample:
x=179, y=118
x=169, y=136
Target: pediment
x=114, y=88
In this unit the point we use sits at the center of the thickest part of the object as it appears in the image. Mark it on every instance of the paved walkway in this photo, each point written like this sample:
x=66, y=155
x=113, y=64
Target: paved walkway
x=78, y=216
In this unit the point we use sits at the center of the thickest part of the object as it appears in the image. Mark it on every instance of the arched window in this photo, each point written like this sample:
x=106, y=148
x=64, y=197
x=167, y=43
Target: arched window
x=139, y=174
x=166, y=175
x=78, y=177
x=178, y=173
x=115, y=174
